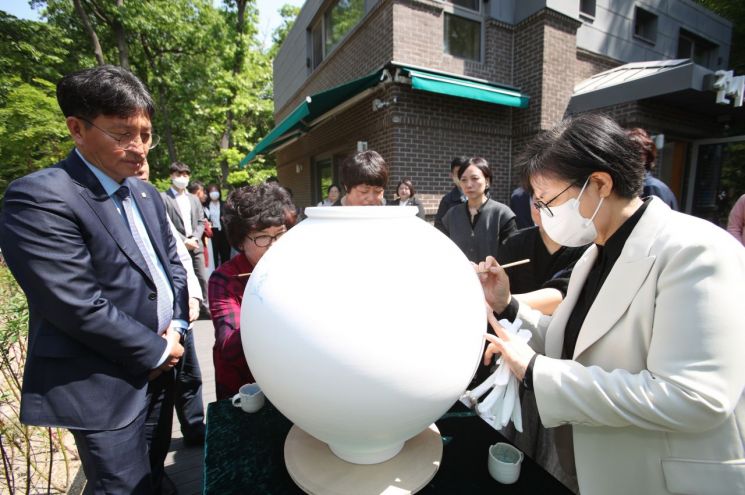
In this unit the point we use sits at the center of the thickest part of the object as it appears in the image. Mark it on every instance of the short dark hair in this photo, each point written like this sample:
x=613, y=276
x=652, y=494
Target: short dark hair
x=195, y=186
x=407, y=181
x=365, y=167
x=458, y=161
x=254, y=208
x=215, y=186
x=581, y=145
x=647, y=148
x=328, y=189
x=179, y=167
x=103, y=90
x=479, y=163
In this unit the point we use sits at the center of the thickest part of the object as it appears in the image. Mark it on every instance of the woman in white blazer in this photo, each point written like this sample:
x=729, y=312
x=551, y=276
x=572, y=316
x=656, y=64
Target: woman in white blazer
x=645, y=357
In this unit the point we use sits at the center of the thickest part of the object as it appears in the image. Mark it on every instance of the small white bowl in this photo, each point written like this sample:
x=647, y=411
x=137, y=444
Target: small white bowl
x=504, y=462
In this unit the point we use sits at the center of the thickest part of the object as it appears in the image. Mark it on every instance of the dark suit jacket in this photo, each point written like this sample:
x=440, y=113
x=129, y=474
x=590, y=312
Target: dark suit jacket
x=92, y=304
x=197, y=217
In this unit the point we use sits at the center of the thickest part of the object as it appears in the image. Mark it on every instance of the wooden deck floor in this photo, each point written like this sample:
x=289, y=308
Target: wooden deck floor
x=185, y=465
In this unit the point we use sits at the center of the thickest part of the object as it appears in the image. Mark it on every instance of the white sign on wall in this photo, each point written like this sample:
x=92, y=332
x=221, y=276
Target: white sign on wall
x=727, y=84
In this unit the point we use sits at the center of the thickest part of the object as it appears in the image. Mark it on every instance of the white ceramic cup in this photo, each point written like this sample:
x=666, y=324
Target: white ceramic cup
x=250, y=398
x=504, y=462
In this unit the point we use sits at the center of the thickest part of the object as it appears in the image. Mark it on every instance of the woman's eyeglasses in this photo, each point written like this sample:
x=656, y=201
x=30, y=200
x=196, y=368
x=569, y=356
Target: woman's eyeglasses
x=266, y=240
x=540, y=205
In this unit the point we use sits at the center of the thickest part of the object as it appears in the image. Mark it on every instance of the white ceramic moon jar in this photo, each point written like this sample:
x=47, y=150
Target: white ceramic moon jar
x=363, y=325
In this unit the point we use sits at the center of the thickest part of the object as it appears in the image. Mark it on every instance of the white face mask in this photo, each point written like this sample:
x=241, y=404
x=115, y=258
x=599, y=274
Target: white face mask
x=180, y=182
x=567, y=226
x=214, y=195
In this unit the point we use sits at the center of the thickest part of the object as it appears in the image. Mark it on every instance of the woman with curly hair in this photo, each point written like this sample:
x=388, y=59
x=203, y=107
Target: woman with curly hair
x=255, y=216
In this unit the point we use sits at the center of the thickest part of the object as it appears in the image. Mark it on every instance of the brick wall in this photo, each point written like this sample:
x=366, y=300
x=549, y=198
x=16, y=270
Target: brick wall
x=431, y=129
x=588, y=64
x=367, y=48
x=336, y=137
x=418, y=39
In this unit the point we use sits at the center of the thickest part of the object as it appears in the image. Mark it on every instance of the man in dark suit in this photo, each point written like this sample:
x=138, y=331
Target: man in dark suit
x=187, y=214
x=455, y=196
x=90, y=247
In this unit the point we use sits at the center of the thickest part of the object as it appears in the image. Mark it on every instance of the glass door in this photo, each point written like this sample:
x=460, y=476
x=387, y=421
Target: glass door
x=718, y=178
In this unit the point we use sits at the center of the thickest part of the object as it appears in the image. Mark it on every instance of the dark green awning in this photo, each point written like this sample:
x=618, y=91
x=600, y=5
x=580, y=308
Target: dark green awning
x=300, y=119
x=310, y=109
x=463, y=87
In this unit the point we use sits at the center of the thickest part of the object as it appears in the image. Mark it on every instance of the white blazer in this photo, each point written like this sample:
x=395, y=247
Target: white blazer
x=655, y=388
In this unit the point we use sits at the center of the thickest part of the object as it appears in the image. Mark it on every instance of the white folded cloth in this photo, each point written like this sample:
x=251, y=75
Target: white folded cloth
x=503, y=402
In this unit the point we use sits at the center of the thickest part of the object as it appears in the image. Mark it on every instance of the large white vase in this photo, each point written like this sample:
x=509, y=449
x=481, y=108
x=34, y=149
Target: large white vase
x=363, y=325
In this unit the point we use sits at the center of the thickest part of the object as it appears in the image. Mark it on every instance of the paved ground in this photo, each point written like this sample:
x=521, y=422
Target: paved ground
x=185, y=465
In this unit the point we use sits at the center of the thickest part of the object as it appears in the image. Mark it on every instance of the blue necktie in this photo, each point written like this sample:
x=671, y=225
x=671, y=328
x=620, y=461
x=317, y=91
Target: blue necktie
x=165, y=308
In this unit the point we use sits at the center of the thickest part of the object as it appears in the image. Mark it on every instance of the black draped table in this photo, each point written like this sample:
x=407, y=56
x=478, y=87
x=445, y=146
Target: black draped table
x=244, y=453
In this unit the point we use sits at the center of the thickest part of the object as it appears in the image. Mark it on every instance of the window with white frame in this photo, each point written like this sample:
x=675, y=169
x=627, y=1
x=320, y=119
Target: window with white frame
x=463, y=29
x=337, y=20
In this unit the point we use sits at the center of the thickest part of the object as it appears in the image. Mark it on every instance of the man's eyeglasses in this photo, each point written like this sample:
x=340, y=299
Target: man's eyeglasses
x=125, y=140
x=266, y=240
x=540, y=205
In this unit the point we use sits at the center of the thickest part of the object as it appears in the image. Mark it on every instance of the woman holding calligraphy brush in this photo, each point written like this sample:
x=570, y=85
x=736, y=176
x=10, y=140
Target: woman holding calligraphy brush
x=255, y=216
x=643, y=358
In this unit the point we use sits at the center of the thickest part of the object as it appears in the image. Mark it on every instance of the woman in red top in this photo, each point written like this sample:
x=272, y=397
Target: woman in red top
x=255, y=217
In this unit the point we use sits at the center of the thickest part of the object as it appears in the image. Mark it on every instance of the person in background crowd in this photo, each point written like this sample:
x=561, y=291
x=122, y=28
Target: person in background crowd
x=364, y=176
x=187, y=214
x=214, y=209
x=520, y=204
x=641, y=364
x=736, y=222
x=333, y=193
x=255, y=217
x=481, y=225
x=186, y=391
x=90, y=246
x=196, y=188
x=407, y=197
x=652, y=185
x=455, y=196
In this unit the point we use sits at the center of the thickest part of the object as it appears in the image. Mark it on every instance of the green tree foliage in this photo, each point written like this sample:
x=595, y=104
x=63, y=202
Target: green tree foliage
x=208, y=73
x=33, y=133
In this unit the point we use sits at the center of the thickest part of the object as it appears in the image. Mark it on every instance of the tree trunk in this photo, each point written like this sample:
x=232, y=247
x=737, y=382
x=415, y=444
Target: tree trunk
x=226, y=139
x=167, y=131
x=161, y=100
x=121, y=38
x=91, y=32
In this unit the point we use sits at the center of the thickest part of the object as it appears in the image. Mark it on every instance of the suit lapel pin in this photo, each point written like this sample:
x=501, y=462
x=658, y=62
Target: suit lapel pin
x=144, y=195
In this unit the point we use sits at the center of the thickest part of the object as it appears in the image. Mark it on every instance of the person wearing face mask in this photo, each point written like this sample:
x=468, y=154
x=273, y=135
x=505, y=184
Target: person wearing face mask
x=481, y=225
x=364, y=176
x=640, y=368
x=214, y=210
x=187, y=214
x=255, y=217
